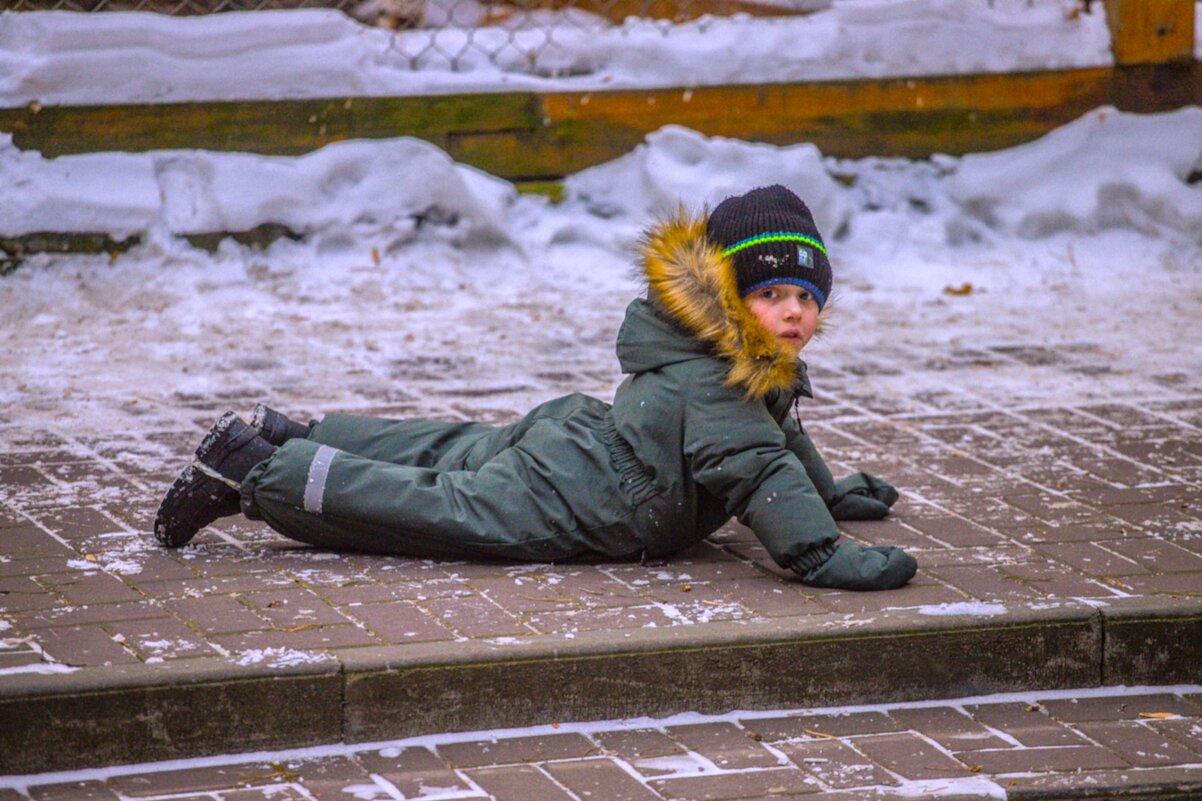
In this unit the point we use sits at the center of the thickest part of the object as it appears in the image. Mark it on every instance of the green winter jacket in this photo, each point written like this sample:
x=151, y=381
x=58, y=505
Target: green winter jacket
x=702, y=423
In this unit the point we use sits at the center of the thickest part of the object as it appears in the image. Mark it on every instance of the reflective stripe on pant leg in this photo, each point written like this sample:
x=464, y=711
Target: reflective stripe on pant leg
x=319, y=472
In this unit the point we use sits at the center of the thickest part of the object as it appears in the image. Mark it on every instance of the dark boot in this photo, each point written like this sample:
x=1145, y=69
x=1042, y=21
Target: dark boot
x=207, y=489
x=275, y=427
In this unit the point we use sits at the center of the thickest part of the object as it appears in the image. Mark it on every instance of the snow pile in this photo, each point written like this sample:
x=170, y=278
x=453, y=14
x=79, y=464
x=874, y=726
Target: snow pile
x=1106, y=169
x=352, y=187
x=678, y=165
x=970, y=608
x=120, y=57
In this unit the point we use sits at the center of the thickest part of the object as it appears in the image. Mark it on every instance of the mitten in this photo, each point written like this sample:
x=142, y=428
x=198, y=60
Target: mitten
x=857, y=567
x=862, y=496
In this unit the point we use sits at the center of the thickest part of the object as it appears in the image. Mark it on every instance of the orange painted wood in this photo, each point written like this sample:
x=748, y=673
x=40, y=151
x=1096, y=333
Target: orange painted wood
x=1151, y=31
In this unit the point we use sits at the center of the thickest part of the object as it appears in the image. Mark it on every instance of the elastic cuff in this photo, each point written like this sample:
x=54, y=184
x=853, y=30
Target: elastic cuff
x=814, y=557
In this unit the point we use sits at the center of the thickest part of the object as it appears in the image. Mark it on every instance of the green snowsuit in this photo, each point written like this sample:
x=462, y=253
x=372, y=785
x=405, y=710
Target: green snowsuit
x=700, y=430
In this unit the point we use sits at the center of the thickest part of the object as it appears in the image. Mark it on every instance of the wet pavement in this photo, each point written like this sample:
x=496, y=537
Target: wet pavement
x=1055, y=507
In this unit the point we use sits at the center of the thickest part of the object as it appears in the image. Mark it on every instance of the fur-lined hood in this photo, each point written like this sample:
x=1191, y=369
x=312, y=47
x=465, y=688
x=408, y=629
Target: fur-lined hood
x=691, y=283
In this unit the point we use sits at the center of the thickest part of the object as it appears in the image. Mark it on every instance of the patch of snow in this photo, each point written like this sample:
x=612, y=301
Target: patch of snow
x=972, y=608
x=62, y=57
x=277, y=657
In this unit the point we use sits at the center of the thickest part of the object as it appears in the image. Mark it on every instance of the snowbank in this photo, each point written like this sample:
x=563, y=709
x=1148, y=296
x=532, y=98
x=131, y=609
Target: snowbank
x=677, y=165
x=66, y=57
x=349, y=188
x=1106, y=169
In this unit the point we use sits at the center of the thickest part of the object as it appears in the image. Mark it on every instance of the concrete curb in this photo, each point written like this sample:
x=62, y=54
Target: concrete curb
x=194, y=708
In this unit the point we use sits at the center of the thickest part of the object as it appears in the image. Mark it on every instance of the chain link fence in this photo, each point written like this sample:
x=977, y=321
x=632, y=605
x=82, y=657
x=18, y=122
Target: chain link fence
x=534, y=36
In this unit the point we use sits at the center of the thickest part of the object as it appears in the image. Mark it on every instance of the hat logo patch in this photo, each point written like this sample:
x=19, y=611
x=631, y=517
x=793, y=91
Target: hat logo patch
x=805, y=257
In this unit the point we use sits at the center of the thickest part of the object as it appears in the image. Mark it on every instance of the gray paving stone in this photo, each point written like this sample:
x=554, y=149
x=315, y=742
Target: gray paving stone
x=518, y=783
x=599, y=780
x=1027, y=723
x=837, y=764
x=516, y=750
x=950, y=728
x=1117, y=707
x=911, y=756
x=412, y=771
x=754, y=784
x=727, y=746
x=1138, y=744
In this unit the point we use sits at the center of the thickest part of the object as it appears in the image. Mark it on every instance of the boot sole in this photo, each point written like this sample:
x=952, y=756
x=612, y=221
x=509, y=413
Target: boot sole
x=193, y=502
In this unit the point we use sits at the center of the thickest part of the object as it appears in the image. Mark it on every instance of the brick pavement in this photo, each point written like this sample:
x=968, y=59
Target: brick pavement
x=1022, y=505
x=1031, y=745
x=1025, y=486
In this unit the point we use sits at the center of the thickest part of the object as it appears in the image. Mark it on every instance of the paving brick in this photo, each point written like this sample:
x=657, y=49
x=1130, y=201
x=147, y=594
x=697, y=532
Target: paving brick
x=724, y=744
x=1027, y=723
x=79, y=521
x=1057, y=581
x=911, y=756
x=917, y=593
x=517, y=749
x=270, y=792
x=749, y=784
x=836, y=764
x=1091, y=559
x=1171, y=584
x=987, y=583
x=956, y=531
x=833, y=725
x=293, y=607
x=770, y=597
x=890, y=532
x=576, y=620
x=520, y=594
x=1057, y=508
x=90, y=588
x=1140, y=745
x=413, y=771
x=1187, y=731
x=399, y=622
x=304, y=638
x=1116, y=707
x=949, y=727
x=518, y=783
x=217, y=614
x=1157, y=555
x=1042, y=760
x=474, y=617
x=162, y=638
x=73, y=791
x=188, y=780
x=1072, y=532
x=324, y=778
x=23, y=594
x=599, y=780
x=85, y=615
x=633, y=744
x=82, y=646
x=31, y=542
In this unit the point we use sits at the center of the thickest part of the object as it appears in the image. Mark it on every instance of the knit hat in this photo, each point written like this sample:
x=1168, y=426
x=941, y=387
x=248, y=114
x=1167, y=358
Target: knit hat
x=770, y=237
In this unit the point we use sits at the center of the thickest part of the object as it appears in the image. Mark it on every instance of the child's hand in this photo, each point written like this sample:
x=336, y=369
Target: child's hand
x=862, y=496
x=857, y=567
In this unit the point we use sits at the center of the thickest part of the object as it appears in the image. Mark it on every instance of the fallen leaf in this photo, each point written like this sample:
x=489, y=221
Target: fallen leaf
x=813, y=733
x=91, y=557
x=687, y=588
x=1158, y=715
x=963, y=289
x=1033, y=708
x=375, y=256
x=555, y=725
x=755, y=735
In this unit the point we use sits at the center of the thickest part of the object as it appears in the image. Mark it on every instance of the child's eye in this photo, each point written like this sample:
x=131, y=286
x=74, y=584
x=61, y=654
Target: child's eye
x=804, y=295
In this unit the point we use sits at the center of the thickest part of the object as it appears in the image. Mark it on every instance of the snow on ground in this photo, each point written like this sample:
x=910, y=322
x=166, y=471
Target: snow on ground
x=453, y=273
x=66, y=57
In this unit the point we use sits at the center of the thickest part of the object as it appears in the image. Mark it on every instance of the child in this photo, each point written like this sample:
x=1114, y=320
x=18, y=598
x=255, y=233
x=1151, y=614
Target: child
x=699, y=430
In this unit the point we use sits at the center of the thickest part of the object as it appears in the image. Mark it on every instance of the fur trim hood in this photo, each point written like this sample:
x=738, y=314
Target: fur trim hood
x=691, y=283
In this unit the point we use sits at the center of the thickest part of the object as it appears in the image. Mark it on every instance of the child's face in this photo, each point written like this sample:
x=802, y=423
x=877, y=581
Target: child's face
x=788, y=311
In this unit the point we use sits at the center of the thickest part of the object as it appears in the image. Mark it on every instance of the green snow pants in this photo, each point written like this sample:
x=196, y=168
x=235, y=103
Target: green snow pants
x=540, y=489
